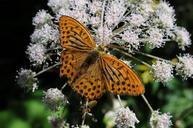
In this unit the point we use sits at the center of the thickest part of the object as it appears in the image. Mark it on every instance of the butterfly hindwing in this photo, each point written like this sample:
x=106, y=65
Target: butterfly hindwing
x=90, y=84
x=120, y=79
x=74, y=36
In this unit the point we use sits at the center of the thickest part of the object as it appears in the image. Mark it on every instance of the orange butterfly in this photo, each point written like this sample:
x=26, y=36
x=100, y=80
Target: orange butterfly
x=91, y=71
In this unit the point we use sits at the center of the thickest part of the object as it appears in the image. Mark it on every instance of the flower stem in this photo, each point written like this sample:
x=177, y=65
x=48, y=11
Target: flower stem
x=84, y=114
x=152, y=56
x=49, y=68
x=134, y=58
x=148, y=104
x=102, y=18
x=63, y=86
x=119, y=99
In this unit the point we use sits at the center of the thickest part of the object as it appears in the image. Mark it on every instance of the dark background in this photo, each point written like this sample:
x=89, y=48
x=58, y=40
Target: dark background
x=15, y=29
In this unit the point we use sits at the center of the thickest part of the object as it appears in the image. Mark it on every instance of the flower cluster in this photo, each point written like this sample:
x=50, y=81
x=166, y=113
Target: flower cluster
x=184, y=66
x=158, y=120
x=54, y=98
x=125, y=118
x=162, y=71
x=26, y=79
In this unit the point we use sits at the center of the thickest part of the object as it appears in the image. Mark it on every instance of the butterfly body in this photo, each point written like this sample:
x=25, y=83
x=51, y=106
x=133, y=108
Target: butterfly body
x=90, y=70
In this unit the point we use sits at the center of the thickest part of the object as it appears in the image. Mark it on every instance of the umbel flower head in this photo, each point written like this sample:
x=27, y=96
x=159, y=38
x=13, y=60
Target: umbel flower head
x=158, y=120
x=125, y=118
x=54, y=98
x=184, y=66
x=129, y=24
x=162, y=71
x=26, y=79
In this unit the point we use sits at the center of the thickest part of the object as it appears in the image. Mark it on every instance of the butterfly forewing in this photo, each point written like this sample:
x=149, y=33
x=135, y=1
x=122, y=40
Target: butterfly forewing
x=71, y=63
x=74, y=36
x=120, y=79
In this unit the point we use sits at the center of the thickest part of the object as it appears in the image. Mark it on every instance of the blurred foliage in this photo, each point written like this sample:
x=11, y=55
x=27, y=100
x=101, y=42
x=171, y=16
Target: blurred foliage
x=29, y=114
x=175, y=97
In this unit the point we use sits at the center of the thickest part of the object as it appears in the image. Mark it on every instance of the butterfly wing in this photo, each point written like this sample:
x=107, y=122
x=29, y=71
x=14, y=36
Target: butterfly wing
x=120, y=79
x=74, y=36
x=71, y=63
x=77, y=43
x=90, y=84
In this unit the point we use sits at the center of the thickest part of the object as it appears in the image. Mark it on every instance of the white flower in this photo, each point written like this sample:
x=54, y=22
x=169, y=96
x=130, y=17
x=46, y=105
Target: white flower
x=166, y=8
x=55, y=5
x=182, y=37
x=158, y=120
x=132, y=40
x=79, y=15
x=95, y=21
x=45, y=34
x=145, y=8
x=57, y=122
x=54, y=98
x=80, y=4
x=166, y=15
x=185, y=66
x=26, y=79
x=37, y=53
x=155, y=38
x=162, y=71
x=125, y=118
x=136, y=20
x=115, y=11
x=95, y=6
x=41, y=18
x=103, y=34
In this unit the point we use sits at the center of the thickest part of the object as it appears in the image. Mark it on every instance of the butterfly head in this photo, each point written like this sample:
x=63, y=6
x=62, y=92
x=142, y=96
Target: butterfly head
x=101, y=48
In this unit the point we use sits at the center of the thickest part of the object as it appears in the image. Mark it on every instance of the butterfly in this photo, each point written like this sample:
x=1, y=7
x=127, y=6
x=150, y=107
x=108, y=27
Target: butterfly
x=89, y=69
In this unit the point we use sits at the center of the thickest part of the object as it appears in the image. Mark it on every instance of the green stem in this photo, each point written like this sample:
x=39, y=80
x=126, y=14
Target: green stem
x=63, y=86
x=120, y=102
x=102, y=18
x=84, y=115
x=146, y=101
x=46, y=69
x=152, y=56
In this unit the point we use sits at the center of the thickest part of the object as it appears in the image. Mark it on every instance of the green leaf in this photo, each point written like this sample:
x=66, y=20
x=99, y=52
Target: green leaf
x=18, y=124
